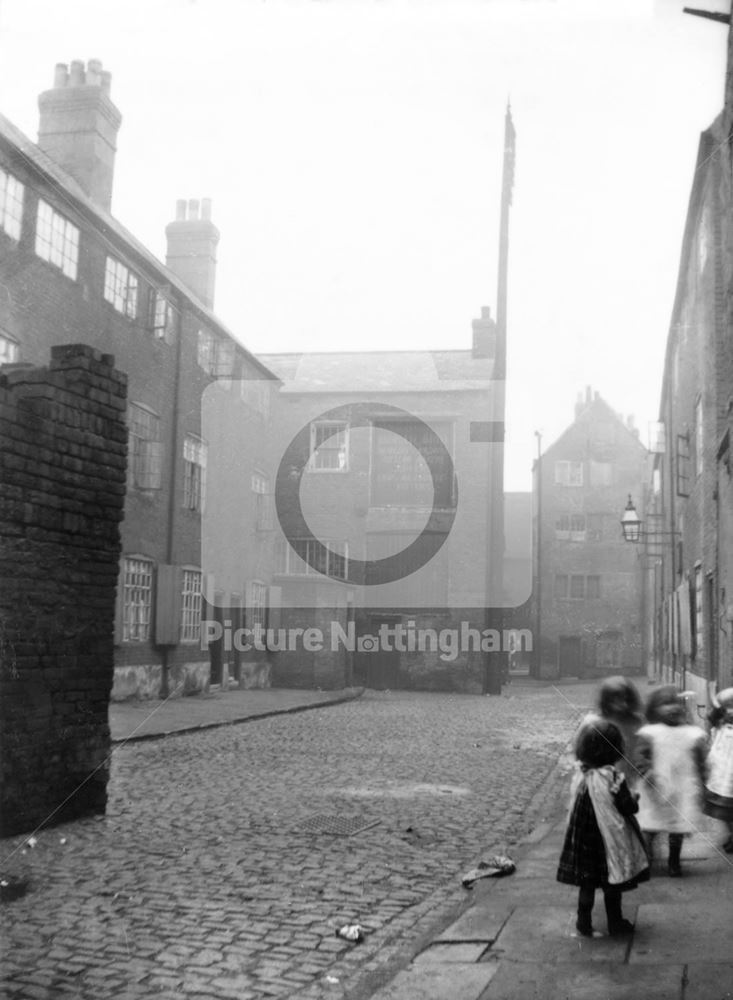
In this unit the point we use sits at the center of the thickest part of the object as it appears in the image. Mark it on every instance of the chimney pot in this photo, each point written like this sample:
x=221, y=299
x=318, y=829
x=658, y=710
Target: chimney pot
x=94, y=73
x=588, y=394
x=484, y=335
x=76, y=73
x=78, y=127
x=106, y=81
x=61, y=75
x=191, y=247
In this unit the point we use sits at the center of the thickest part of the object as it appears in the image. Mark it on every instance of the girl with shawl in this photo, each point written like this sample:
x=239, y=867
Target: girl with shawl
x=603, y=847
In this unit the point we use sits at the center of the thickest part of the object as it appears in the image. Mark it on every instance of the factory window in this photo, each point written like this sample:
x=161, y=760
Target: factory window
x=120, y=287
x=214, y=355
x=263, y=501
x=137, y=599
x=163, y=317
x=570, y=527
x=11, y=204
x=306, y=557
x=593, y=588
x=191, y=605
x=8, y=350
x=144, y=448
x=194, y=473
x=329, y=446
x=569, y=473
x=256, y=606
x=57, y=240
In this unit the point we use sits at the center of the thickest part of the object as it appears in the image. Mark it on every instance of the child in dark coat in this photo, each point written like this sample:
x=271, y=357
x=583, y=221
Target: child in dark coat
x=604, y=847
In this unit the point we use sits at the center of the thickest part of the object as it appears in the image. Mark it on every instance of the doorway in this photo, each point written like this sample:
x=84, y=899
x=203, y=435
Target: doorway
x=569, y=658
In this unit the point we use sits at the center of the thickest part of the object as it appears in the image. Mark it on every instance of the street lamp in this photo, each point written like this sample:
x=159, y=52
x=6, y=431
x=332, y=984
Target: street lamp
x=631, y=523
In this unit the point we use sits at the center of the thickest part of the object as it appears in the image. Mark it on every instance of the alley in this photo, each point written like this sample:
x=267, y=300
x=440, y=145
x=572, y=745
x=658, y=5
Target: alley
x=203, y=880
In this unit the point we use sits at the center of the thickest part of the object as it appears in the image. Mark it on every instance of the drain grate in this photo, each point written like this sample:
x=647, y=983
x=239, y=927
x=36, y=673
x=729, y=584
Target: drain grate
x=338, y=826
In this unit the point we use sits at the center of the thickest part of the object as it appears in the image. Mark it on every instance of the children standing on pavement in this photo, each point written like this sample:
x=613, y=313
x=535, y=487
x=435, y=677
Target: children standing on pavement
x=719, y=783
x=671, y=760
x=619, y=702
x=603, y=847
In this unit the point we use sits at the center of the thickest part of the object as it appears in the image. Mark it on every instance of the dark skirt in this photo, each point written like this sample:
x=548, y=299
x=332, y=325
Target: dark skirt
x=583, y=855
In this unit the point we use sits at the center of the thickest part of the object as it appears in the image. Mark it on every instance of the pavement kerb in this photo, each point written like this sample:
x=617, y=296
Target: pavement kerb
x=353, y=695
x=395, y=959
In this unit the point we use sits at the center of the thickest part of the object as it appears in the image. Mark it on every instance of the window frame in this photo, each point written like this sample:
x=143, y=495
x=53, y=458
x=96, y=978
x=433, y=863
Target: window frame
x=121, y=287
x=256, y=610
x=163, y=327
x=12, y=204
x=140, y=620
x=10, y=346
x=324, y=448
x=195, y=454
x=565, y=478
x=191, y=605
x=261, y=488
x=144, y=460
x=287, y=553
x=57, y=240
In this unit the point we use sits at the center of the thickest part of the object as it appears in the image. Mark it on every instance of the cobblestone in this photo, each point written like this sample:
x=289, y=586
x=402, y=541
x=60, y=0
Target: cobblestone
x=199, y=881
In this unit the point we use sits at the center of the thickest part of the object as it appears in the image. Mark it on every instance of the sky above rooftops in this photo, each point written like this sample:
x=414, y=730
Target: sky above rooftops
x=353, y=153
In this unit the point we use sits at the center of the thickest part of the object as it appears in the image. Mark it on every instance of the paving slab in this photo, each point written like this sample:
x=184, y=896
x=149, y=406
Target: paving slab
x=546, y=935
x=542, y=892
x=457, y=982
x=685, y=933
x=480, y=923
x=709, y=982
x=461, y=951
x=600, y=981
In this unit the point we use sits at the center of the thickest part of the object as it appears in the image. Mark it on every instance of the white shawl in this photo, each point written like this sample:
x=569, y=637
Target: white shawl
x=625, y=853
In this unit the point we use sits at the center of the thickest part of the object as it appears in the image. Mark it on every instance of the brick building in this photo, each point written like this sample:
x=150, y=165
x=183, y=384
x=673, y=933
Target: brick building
x=71, y=273
x=400, y=459
x=589, y=613
x=202, y=554
x=689, y=526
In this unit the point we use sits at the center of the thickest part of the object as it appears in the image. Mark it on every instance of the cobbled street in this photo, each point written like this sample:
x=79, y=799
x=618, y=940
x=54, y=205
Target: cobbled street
x=199, y=882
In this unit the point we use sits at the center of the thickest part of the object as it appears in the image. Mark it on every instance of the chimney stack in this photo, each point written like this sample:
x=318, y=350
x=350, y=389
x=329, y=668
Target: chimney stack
x=78, y=127
x=484, y=335
x=192, y=241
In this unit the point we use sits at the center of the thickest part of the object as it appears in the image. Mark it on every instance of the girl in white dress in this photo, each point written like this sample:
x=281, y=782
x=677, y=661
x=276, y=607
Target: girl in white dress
x=671, y=760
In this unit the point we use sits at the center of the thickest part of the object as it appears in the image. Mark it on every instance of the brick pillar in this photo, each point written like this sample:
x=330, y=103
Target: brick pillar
x=63, y=442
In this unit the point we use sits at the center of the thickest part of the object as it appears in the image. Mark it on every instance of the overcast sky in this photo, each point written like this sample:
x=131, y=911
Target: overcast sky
x=353, y=151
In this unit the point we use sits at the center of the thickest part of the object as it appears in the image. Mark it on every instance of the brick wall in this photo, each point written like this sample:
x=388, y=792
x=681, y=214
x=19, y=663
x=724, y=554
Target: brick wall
x=63, y=448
